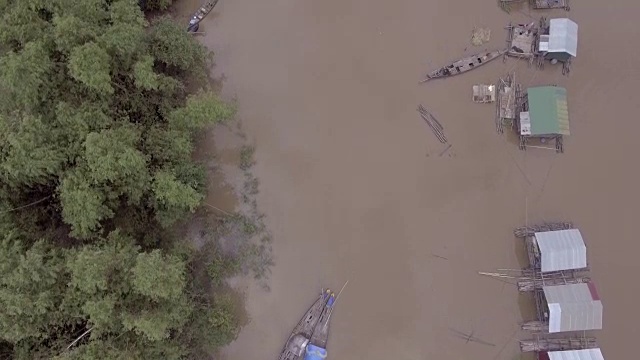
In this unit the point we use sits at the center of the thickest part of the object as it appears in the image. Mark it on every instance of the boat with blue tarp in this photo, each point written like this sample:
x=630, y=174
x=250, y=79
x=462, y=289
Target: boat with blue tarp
x=198, y=16
x=308, y=340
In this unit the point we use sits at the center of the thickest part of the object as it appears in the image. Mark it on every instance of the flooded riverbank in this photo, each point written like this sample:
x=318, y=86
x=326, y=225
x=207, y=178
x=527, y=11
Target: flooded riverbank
x=354, y=188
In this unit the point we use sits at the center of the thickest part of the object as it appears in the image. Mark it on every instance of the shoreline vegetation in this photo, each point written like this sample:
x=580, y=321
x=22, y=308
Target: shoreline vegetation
x=107, y=251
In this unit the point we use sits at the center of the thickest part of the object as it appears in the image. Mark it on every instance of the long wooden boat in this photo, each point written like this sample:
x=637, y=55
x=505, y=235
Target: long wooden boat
x=194, y=22
x=308, y=340
x=464, y=65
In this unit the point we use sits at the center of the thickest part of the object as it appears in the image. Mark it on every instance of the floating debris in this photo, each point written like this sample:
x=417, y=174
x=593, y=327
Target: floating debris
x=469, y=337
x=433, y=123
x=480, y=36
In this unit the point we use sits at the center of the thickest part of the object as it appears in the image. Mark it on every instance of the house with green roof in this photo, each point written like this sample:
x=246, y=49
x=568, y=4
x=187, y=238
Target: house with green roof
x=547, y=114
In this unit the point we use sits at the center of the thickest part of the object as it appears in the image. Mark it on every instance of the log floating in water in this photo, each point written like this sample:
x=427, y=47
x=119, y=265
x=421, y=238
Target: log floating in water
x=529, y=280
x=537, y=284
x=535, y=326
x=557, y=344
x=433, y=123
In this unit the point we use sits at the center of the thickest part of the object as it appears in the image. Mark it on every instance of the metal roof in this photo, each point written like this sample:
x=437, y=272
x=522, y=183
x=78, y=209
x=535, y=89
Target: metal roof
x=561, y=250
x=563, y=36
x=548, y=111
x=573, y=307
x=585, y=354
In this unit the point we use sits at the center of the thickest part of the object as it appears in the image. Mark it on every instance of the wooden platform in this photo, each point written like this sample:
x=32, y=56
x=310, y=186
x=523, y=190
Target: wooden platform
x=522, y=41
x=484, y=93
x=508, y=94
x=550, y=4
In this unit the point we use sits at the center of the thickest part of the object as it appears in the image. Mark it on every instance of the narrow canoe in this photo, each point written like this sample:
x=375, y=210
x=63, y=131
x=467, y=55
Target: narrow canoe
x=302, y=334
x=464, y=65
x=204, y=10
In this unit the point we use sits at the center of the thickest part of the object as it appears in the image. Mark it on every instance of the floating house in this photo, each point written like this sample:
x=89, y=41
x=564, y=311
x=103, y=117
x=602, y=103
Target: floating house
x=543, y=114
x=554, y=40
x=557, y=250
x=558, y=41
x=571, y=307
x=557, y=256
x=583, y=354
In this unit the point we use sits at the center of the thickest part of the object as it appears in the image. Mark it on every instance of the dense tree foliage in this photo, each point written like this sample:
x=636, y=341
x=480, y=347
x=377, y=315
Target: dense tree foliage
x=96, y=141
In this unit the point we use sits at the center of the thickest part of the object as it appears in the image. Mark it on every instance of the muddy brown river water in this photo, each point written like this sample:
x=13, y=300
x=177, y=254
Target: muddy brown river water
x=354, y=188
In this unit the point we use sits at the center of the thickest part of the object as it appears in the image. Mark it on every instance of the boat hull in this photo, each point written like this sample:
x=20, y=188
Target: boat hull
x=302, y=334
x=463, y=65
x=198, y=16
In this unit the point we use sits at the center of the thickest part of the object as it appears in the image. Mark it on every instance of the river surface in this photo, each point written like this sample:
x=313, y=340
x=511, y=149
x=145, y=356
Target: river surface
x=355, y=185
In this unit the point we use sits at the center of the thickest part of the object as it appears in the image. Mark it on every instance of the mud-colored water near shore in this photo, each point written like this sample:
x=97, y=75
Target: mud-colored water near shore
x=354, y=188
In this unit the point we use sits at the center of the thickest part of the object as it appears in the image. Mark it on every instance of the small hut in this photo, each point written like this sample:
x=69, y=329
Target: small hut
x=562, y=308
x=583, y=354
x=543, y=115
x=558, y=41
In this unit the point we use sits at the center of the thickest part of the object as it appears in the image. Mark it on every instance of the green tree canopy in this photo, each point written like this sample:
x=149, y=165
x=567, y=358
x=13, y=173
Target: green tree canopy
x=96, y=142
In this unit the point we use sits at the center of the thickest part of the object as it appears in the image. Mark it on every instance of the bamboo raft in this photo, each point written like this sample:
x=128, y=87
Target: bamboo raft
x=529, y=280
x=538, y=281
x=509, y=95
x=200, y=14
x=524, y=231
x=535, y=326
x=433, y=123
x=463, y=65
x=536, y=4
x=557, y=344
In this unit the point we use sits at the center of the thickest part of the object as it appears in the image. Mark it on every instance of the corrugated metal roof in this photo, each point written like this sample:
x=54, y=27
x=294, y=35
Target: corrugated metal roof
x=563, y=36
x=561, y=250
x=548, y=110
x=585, y=354
x=572, y=308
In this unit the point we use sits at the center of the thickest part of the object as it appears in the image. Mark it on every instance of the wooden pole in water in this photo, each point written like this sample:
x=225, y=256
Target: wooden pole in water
x=340, y=292
x=334, y=303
